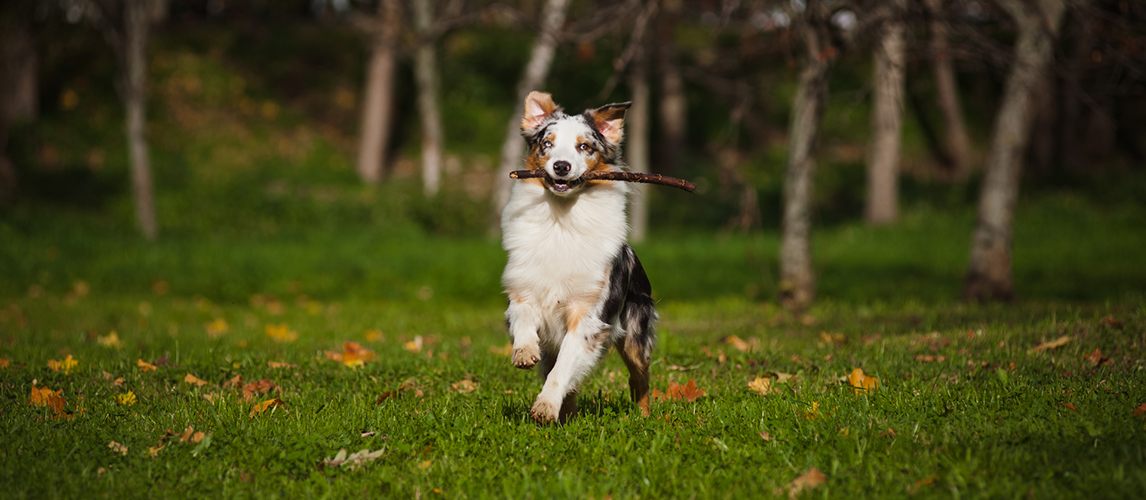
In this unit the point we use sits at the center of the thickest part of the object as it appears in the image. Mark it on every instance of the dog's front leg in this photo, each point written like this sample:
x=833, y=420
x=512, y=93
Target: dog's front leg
x=523, y=321
x=581, y=349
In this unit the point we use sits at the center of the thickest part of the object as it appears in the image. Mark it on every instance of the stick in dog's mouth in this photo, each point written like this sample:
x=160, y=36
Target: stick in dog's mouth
x=603, y=175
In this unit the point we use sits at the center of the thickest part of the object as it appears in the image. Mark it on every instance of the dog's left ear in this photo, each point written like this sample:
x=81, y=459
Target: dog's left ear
x=609, y=119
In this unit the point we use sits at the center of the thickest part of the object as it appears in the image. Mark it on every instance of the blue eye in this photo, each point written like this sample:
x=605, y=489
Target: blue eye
x=547, y=144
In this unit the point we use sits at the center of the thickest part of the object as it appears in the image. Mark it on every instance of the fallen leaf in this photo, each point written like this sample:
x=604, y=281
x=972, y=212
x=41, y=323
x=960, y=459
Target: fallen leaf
x=47, y=397
x=280, y=364
x=1070, y=406
x=110, y=340
x=266, y=405
x=117, y=448
x=504, y=351
x=813, y=413
x=261, y=387
x=281, y=333
x=807, y=481
x=65, y=366
x=860, y=382
x=1140, y=411
x=4, y=363
x=677, y=392
x=353, y=461
x=765, y=436
x=927, y=358
x=193, y=380
x=217, y=328
x=153, y=451
x=375, y=336
x=234, y=382
x=1096, y=359
x=426, y=464
x=1059, y=342
x=145, y=366
x=352, y=355
x=414, y=345
x=464, y=386
x=737, y=342
x=126, y=399
x=763, y=386
x=833, y=339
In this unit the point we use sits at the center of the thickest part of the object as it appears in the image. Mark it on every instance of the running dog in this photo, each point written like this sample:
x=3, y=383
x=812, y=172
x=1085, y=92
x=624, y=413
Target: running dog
x=575, y=286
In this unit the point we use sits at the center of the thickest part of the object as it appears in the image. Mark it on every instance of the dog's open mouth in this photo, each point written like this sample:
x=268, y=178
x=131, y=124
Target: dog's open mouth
x=563, y=185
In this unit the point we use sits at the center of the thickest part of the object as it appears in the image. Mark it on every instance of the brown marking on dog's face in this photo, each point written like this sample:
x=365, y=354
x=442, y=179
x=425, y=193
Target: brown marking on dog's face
x=537, y=158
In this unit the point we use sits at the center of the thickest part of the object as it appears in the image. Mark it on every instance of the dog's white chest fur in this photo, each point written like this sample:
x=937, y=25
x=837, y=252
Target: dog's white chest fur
x=561, y=247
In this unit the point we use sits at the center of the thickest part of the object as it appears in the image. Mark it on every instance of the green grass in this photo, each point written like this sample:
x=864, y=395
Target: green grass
x=972, y=424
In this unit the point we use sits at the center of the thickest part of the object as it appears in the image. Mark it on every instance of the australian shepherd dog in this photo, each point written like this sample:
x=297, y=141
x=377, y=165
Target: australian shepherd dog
x=575, y=286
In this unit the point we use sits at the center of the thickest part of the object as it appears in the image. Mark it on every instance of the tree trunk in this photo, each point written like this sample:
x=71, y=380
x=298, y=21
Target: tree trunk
x=886, y=122
x=552, y=19
x=377, y=109
x=673, y=107
x=958, y=146
x=989, y=273
x=797, y=278
x=136, y=20
x=18, y=98
x=637, y=147
x=426, y=73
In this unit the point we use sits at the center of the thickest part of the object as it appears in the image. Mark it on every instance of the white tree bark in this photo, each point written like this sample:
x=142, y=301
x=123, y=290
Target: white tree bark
x=797, y=277
x=989, y=273
x=426, y=74
x=377, y=109
x=136, y=20
x=637, y=147
x=673, y=106
x=540, y=59
x=882, y=205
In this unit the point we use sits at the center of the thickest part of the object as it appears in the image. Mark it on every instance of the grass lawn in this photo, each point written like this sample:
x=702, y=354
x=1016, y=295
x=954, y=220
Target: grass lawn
x=963, y=406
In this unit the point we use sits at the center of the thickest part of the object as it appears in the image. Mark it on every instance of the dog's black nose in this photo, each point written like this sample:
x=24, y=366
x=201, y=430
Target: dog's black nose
x=561, y=167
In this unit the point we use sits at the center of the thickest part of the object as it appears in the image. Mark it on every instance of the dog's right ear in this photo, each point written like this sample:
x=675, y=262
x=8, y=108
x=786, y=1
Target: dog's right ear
x=538, y=107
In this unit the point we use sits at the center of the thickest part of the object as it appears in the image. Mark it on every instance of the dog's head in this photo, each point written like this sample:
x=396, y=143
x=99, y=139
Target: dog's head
x=568, y=146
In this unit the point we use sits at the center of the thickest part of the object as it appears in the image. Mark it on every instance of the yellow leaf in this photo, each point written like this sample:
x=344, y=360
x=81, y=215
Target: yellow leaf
x=4, y=363
x=145, y=366
x=814, y=412
x=281, y=333
x=47, y=397
x=762, y=386
x=266, y=405
x=280, y=364
x=110, y=340
x=153, y=451
x=193, y=380
x=375, y=336
x=66, y=365
x=862, y=383
x=425, y=465
x=414, y=345
x=1051, y=344
x=217, y=328
x=126, y=399
x=117, y=448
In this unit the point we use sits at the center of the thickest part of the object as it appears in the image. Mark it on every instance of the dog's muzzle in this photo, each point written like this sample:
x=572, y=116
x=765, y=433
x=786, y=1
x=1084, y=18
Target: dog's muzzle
x=562, y=186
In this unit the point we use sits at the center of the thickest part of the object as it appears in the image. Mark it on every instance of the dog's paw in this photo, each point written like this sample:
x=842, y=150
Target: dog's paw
x=526, y=356
x=545, y=412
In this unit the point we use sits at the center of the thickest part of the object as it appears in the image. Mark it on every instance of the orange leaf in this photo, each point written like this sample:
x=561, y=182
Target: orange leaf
x=47, y=397
x=266, y=405
x=1070, y=406
x=1140, y=411
x=1096, y=358
x=234, y=382
x=862, y=383
x=352, y=355
x=66, y=365
x=191, y=379
x=464, y=386
x=677, y=392
x=145, y=366
x=4, y=363
x=808, y=481
x=737, y=342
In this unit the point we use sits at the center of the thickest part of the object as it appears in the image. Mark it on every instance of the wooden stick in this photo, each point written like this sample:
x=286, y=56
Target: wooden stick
x=606, y=175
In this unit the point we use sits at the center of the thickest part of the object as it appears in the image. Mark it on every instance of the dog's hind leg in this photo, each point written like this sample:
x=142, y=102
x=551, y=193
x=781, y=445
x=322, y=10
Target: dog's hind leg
x=638, y=317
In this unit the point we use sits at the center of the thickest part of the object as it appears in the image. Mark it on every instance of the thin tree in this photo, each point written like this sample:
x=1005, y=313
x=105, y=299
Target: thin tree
x=137, y=16
x=378, y=105
x=18, y=82
x=797, y=277
x=989, y=273
x=540, y=59
x=957, y=146
x=882, y=205
x=426, y=76
x=673, y=106
x=638, y=121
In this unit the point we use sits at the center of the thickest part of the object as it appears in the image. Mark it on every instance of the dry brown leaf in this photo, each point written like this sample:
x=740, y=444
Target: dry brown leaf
x=353, y=461
x=765, y=436
x=1059, y=342
x=927, y=358
x=763, y=386
x=677, y=392
x=464, y=386
x=737, y=342
x=145, y=366
x=808, y=481
x=1070, y=406
x=1140, y=411
x=196, y=381
x=117, y=448
x=234, y=382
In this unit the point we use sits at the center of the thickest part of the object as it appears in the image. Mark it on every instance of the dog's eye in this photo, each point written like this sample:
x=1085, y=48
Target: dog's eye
x=585, y=147
x=547, y=144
